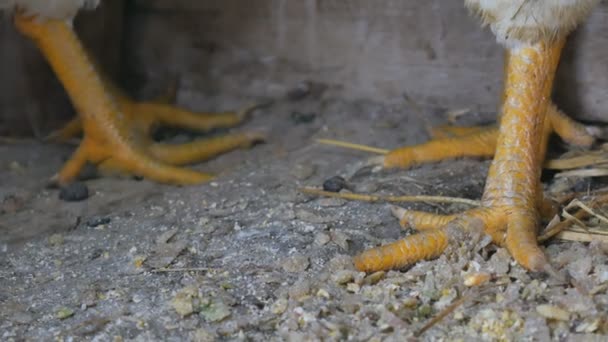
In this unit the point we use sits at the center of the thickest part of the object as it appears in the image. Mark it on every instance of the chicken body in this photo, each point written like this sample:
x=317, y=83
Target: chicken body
x=116, y=130
x=533, y=33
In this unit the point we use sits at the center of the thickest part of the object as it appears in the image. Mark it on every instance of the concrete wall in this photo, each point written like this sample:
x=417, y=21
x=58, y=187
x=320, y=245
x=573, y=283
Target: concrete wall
x=377, y=49
x=432, y=50
x=227, y=51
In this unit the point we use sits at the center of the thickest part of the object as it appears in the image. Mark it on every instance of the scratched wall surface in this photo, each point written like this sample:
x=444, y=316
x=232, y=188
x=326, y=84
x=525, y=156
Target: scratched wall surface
x=223, y=51
x=376, y=49
x=431, y=50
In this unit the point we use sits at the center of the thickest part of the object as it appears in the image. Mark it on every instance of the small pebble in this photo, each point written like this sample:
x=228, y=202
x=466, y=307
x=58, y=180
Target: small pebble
x=215, y=311
x=335, y=184
x=303, y=171
x=340, y=262
x=340, y=239
x=588, y=326
x=64, y=313
x=581, y=267
x=343, y=277
x=56, y=240
x=322, y=293
x=425, y=310
x=302, y=118
x=296, y=264
x=386, y=328
x=536, y=328
x=74, y=192
x=300, y=289
x=97, y=221
x=499, y=262
x=409, y=302
x=182, y=303
x=353, y=287
x=202, y=335
x=476, y=279
x=574, y=301
x=359, y=277
x=322, y=239
x=350, y=305
x=279, y=306
x=553, y=312
x=374, y=278
x=601, y=272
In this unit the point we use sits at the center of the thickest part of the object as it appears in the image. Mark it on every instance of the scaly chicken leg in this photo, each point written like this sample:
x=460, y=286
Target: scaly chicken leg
x=116, y=129
x=509, y=205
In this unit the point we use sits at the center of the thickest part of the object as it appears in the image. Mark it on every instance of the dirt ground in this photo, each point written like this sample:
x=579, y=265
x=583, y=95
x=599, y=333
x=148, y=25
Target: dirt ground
x=248, y=257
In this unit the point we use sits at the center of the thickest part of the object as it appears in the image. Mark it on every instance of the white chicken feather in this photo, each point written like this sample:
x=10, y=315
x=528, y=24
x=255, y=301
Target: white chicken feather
x=54, y=9
x=530, y=21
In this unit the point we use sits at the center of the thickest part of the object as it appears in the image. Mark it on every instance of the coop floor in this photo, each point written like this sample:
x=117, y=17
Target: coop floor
x=249, y=256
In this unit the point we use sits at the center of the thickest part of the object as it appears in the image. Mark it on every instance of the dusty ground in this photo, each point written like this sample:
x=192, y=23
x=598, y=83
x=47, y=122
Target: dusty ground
x=248, y=257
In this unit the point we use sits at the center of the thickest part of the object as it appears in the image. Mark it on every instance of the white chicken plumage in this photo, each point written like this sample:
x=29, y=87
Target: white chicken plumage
x=517, y=22
x=53, y=9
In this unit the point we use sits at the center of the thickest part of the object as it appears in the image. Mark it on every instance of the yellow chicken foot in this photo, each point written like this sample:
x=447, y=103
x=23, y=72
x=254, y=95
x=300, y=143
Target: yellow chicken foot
x=148, y=115
x=509, y=209
x=451, y=142
x=116, y=130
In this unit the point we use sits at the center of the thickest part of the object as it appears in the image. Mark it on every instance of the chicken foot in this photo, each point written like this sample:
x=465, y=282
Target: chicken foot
x=116, y=129
x=509, y=210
